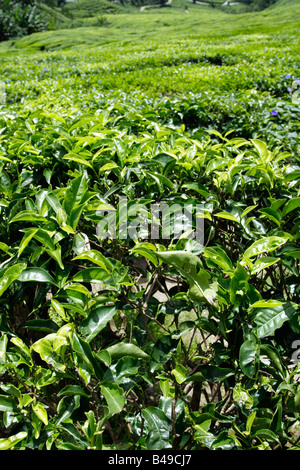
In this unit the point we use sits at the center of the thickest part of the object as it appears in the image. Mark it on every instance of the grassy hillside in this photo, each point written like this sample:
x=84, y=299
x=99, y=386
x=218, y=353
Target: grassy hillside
x=90, y=8
x=166, y=53
x=170, y=23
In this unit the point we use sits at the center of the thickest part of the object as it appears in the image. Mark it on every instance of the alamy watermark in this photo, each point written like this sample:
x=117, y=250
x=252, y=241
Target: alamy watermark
x=2, y=93
x=296, y=354
x=155, y=221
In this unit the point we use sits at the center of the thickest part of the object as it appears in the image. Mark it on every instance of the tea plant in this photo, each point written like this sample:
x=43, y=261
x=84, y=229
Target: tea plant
x=124, y=328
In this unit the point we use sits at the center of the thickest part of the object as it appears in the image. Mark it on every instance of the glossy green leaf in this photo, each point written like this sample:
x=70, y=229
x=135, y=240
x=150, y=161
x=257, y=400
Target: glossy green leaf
x=146, y=253
x=95, y=257
x=263, y=263
x=48, y=326
x=266, y=435
x=291, y=205
x=6, y=444
x=3, y=347
x=29, y=234
x=83, y=350
x=202, y=432
x=266, y=303
x=179, y=373
x=78, y=189
x=96, y=321
x=73, y=390
x=72, y=157
x=66, y=407
x=161, y=181
x=187, y=264
x=247, y=210
x=263, y=245
x=126, y=349
x=28, y=216
x=10, y=275
x=226, y=215
x=249, y=358
x=114, y=396
x=93, y=275
x=159, y=428
x=272, y=353
x=22, y=346
x=219, y=257
x=40, y=412
x=249, y=422
x=44, y=347
x=293, y=254
x=271, y=214
x=270, y=319
x=36, y=275
x=211, y=373
x=239, y=283
x=7, y=403
x=56, y=255
x=45, y=238
x=242, y=396
x=261, y=148
x=58, y=308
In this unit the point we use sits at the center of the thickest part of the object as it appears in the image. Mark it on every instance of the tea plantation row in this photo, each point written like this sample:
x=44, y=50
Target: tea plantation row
x=118, y=336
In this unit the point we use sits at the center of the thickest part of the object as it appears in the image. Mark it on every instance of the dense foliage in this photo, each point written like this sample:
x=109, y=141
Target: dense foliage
x=257, y=5
x=136, y=341
x=20, y=18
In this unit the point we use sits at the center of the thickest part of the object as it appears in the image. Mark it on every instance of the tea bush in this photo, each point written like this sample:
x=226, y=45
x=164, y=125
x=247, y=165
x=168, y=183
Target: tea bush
x=114, y=336
x=20, y=18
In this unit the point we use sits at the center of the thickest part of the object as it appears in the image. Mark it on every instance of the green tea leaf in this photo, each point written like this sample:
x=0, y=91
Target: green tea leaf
x=29, y=234
x=28, y=216
x=270, y=319
x=73, y=390
x=36, y=275
x=227, y=215
x=159, y=428
x=239, y=283
x=114, y=396
x=97, y=258
x=201, y=289
x=83, y=350
x=263, y=245
x=266, y=303
x=72, y=157
x=266, y=435
x=211, y=373
x=40, y=412
x=11, y=441
x=96, y=321
x=10, y=275
x=218, y=256
x=272, y=353
x=263, y=263
x=126, y=349
x=261, y=148
x=7, y=404
x=249, y=358
x=291, y=205
x=179, y=373
x=59, y=309
x=3, y=347
x=93, y=275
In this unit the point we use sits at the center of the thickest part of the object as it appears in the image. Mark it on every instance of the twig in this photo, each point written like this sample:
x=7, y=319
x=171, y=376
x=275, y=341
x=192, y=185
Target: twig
x=108, y=427
x=143, y=309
